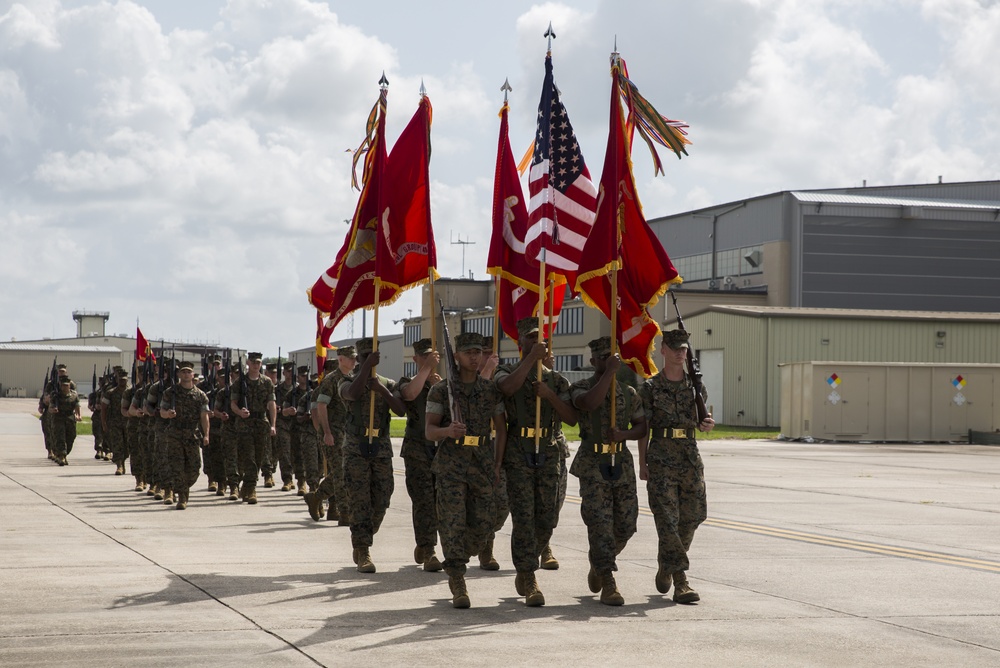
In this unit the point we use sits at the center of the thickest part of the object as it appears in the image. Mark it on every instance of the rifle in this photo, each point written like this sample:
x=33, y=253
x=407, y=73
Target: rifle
x=692, y=369
x=54, y=382
x=227, y=363
x=452, y=366
x=243, y=386
x=173, y=376
x=93, y=383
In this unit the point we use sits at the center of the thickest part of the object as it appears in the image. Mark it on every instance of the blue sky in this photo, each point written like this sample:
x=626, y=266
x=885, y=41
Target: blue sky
x=183, y=162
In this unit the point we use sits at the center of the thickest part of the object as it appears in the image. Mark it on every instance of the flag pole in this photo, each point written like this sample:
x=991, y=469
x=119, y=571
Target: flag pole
x=620, y=213
x=384, y=87
x=497, y=281
x=549, y=35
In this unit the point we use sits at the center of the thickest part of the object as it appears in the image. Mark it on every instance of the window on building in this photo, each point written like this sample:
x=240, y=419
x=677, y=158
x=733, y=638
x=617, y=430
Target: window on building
x=479, y=324
x=411, y=334
x=410, y=368
x=568, y=362
x=570, y=321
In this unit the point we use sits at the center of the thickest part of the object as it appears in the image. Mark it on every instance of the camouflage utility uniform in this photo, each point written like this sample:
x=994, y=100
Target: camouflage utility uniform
x=676, y=485
x=183, y=437
x=533, y=491
x=610, y=508
x=368, y=481
x=465, y=472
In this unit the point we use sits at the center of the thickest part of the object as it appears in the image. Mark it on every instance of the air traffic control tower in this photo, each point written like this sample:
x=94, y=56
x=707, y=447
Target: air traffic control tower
x=90, y=323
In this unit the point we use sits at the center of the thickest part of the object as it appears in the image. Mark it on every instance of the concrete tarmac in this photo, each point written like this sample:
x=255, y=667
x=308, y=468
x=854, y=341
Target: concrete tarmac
x=813, y=555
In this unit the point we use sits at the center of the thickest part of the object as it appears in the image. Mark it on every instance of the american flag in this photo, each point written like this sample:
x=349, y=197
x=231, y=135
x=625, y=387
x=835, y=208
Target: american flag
x=563, y=199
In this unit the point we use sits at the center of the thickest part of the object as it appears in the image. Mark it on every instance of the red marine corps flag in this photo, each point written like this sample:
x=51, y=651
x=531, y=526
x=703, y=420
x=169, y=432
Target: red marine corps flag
x=142, y=347
x=625, y=270
x=350, y=283
x=412, y=256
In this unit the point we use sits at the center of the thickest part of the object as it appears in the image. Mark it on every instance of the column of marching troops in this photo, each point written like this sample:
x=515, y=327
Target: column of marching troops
x=465, y=474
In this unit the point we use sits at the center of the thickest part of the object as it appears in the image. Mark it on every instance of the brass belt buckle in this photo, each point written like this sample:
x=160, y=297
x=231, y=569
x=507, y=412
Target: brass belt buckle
x=529, y=432
x=607, y=448
x=373, y=433
x=470, y=440
x=678, y=433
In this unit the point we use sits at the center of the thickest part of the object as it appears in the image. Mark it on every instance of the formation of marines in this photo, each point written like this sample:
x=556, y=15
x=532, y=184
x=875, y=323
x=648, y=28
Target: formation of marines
x=481, y=445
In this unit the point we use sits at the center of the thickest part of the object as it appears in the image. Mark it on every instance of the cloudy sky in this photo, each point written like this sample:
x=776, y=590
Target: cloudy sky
x=182, y=161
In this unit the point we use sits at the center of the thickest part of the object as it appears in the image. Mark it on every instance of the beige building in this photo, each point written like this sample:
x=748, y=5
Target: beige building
x=741, y=347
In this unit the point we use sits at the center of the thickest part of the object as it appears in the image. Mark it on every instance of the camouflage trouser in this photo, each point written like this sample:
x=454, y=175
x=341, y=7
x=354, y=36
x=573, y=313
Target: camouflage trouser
x=420, y=486
x=561, y=498
x=267, y=462
x=95, y=425
x=215, y=465
x=309, y=456
x=140, y=451
x=115, y=441
x=369, y=483
x=610, y=509
x=502, y=505
x=466, y=511
x=230, y=454
x=63, y=433
x=283, y=453
x=677, y=499
x=46, y=420
x=534, y=508
x=148, y=448
x=332, y=486
x=253, y=437
x=183, y=448
x=157, y=476
x=132, y=429
x=162, y=458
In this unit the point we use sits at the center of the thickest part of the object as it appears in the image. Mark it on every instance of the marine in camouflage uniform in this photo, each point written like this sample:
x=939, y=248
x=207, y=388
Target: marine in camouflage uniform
x=289, y=408
x=671, y=465
x=488, y=363
x=368, y=476
x=254, y=424
x=114, y=421
x=418, y=454
x=94, y=406
x=610, y=505
x=140, y=455
x=228, y=440
x=282, y=449
x=159, y=483
x=467, y=464
x=44, y=404
x=532, y=477
x=331, y=416
x=307, y=466
x=214, y=462
x=65, y=412
x=132, y=433
x=185, y=408
x=269, y=464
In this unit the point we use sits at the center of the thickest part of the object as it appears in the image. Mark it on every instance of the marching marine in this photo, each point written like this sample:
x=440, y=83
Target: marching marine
x=418, y=454
x=671, y=465
x=533, y=476
x=254, y=422
x=368, y=476
x=603, y=463
x=65, y=412
x=185, y=408
x=467, y=464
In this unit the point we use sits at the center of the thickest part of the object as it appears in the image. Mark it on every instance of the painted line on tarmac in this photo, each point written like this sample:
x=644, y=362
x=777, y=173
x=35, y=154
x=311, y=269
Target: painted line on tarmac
x=830, y=541
x=858, y=545
x=846, y=543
